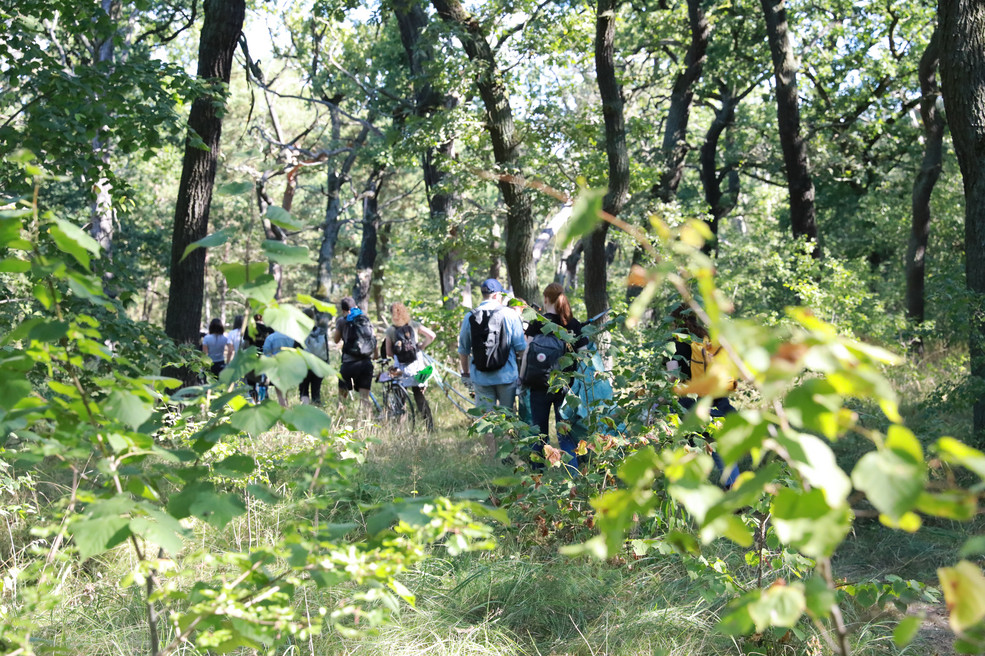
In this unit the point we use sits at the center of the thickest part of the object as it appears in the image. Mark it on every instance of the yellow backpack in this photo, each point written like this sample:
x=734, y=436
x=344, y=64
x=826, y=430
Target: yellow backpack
x=702, y=354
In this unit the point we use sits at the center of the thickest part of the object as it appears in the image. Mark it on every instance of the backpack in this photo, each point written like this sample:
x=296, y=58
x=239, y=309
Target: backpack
x=541, y=358
x=316, y=343
x=702, y=353
x=490, y=341
x=404, y=344
x=359, y=341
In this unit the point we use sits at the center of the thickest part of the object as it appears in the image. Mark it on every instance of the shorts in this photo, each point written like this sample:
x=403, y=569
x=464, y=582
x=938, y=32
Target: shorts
x=357, y=374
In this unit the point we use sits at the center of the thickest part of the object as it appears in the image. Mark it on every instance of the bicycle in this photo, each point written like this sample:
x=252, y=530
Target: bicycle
x=395, y=405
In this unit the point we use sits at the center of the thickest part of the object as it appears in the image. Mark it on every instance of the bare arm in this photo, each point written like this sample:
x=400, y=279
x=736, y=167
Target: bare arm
x=230, y=351
x=427, y=336
x=388, y=345
x=463, y=363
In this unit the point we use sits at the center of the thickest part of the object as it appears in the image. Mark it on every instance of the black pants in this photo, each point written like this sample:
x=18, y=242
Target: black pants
x=312, y=384
x=541, y=403
x=423, y=408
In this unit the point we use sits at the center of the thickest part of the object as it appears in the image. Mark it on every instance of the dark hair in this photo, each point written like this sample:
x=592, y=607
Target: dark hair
x=215, y=327
x=347, y=303
x=238, y=322
x=685, y=317
x=554, y=294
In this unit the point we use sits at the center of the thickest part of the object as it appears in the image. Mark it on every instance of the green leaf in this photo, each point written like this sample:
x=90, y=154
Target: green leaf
x=286, y=370
x=964, y=592
x=127, y=408
x=161, y=529
x=246, y=360
x=309, y=419
x=278, y=251
x=10, y=228
x=892, y=479
x=954, y=452
x=321, y=306
x=237, y=273
x=215, y=239
x=318, y=366
x=258, y=419
x=12, y=390
x=199, y=499
x=73, y=240
x=805, y=521
x=235, y=188
x=585, y=215
x=281, y=217
x=779, y=605
x=815, y=461
x=94, y=536
x=289, y=320
x=907, y=630
x=236, y=466
x=263, y=289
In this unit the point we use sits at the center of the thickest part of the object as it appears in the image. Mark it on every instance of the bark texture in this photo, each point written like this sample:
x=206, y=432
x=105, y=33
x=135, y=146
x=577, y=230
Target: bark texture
x=720, y=202
x=962, y=65
x=103, y=224
x=800, y=182
x=596, y=260
x=221, y=27
x=366, y=260
x=923, y=185
x=442, y=203
x=506, y=147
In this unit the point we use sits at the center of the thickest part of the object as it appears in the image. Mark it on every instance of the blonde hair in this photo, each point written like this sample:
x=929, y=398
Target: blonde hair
x=554, y=294
x=400, y=314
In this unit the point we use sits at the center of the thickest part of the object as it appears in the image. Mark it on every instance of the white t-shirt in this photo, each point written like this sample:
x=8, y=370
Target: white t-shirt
x=216, y=344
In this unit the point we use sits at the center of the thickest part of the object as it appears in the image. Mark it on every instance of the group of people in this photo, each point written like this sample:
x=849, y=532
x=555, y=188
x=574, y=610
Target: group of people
x=498, y=355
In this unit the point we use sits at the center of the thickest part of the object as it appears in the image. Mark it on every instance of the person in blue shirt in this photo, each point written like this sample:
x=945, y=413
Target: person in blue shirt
x=271, y=347
x=496, y=387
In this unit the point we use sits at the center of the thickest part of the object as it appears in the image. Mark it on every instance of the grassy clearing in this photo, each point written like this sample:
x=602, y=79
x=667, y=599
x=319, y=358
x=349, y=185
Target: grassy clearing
x=523, y=597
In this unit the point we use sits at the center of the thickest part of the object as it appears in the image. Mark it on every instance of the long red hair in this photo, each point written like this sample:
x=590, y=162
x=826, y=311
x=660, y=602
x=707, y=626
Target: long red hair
x=554, y=294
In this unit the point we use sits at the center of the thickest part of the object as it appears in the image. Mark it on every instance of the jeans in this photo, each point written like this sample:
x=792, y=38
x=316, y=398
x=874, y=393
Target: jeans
x=489, y=396
x=541, y=402
x=719, y=408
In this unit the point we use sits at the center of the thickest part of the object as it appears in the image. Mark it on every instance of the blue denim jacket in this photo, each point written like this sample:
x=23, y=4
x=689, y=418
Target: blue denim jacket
x=509, y=371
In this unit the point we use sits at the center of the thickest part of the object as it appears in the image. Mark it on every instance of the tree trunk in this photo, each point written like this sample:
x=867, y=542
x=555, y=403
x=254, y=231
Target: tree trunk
x=221, y=27
x=596, y=261
x=366, y=260
x=800, y=183
x=674, y=147
x=271, y=231
x=962, y=63
x=333, y=208
x=719, y=203
x=923, y=185
x=379, y=298
x=103, y=215
x=506, y=148
x=495, y=244
x=412, y=19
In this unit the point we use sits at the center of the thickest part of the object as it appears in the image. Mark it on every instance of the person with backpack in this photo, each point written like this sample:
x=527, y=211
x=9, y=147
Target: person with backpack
x=404, y=343
x=217, y=346
x=272, y=345
x=693, y=354
x=255, y=334
x=545, y=350
x=355, y=332
x=315, y=343
x=490, y=338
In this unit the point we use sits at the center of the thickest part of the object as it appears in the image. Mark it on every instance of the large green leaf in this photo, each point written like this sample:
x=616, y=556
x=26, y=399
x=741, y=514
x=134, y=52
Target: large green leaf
x=964, y=592
x=127, y=408
x=278, y=251
x=161, y=529
x=200, y=499
x=815, y=461
x=237, y=273
x=236, y=465
x=585, y=215
x=215, y=239
x=286, y=370
x=94, y=536
x=309, y=419
x=805, y=521
x=263, y=289
x=257, y=419
x=892, y=477
x=289, y=320
x=73, y=240
x=281, y=217
x=779, y=605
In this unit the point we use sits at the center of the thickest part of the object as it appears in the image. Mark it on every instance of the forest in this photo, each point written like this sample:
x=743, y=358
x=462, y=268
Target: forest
x=792, y=191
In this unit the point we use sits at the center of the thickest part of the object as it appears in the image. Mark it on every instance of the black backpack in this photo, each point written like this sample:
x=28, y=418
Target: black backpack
x=490, y=341
x=541, y=358
x=359, y=338
x=404, y=344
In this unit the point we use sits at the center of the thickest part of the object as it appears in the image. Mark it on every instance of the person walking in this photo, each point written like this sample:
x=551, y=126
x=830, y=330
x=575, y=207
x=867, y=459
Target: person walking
x=315, y=343
x=404, y=344
x=236, y=334
x=544, y=352
x=354, y=331
x=273, y=345
x=489, y=340
x=217, y=346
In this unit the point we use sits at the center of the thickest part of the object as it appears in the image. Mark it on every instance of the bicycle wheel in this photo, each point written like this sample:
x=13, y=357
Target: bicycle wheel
x=398, y=410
